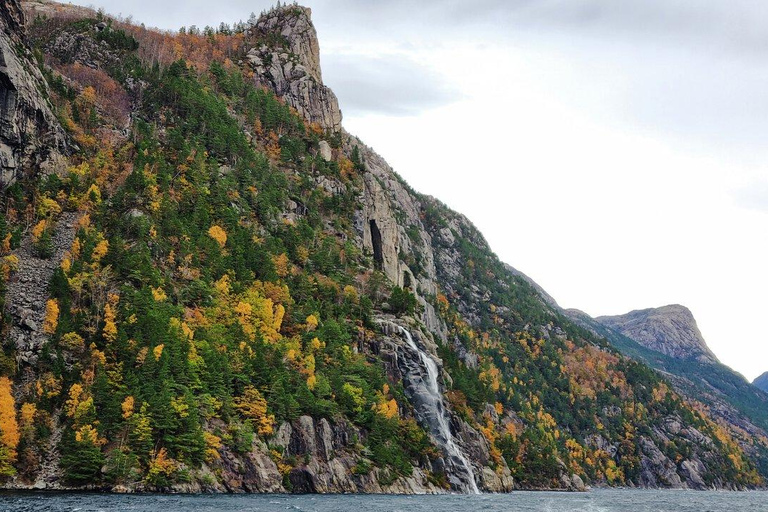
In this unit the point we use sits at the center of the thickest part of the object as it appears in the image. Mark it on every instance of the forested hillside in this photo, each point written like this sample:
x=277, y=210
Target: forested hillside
x=217, y=288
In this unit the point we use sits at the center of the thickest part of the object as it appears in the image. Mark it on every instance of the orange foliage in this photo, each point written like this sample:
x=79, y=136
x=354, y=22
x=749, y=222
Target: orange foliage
x=592, y=371
x=9, y=429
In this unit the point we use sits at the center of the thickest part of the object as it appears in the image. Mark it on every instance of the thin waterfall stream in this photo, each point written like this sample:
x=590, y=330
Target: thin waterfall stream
x=437, y=416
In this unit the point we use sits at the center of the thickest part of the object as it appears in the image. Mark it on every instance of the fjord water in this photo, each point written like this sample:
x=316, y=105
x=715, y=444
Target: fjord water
x=624, y=500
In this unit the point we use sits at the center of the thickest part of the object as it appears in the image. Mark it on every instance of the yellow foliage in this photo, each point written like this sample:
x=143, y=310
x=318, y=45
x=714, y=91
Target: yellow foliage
x=72, y=341
x=76, y=248
x=222, y=285
x=254, y=407
x=88, y=434
x=100, y=251
x=51, y=320
x=47, y=207
x=110, y=328
x=5, y=246
x=158, y=351
x=48, y=386
x=311, y=323
x=350, y=292
x=355, y=396
x=159, y=294
x=9, y=429
x=39, y=229
x=212, y=445
x=75, y=395
x=281, y=264
x=218, y=234
x=317, y=344
x=8, y=264
x=93, y=194
x=161, y=464
x=387, y=408
x=311, y=382
x=127, y=406
x=277, y=322
x=27, y=418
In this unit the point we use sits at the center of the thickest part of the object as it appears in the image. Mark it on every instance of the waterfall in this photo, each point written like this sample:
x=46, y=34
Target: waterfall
x=433, y=412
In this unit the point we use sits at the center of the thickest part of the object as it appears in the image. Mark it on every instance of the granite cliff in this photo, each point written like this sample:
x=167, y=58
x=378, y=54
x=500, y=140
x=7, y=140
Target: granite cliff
x=30, y=135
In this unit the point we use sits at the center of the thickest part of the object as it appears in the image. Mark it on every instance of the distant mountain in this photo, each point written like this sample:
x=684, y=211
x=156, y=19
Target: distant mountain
x=671, y=330
x=668, y=340
x=762, y=382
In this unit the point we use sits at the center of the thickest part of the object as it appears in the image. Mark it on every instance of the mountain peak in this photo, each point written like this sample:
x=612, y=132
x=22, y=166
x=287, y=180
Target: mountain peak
x=670, y=329
x=294, y=24
x=287, y=60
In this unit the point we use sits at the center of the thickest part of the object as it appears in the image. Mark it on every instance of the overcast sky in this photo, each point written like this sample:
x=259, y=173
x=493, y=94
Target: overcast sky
x=615, y=151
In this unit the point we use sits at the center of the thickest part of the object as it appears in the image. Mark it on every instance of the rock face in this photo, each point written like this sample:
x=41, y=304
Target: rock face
x=761, y=382
x=670, y=330
x=288, y=61
x=30, y=136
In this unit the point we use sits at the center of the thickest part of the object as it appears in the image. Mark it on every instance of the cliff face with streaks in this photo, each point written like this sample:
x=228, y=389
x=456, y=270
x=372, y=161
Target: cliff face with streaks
x=31, y=139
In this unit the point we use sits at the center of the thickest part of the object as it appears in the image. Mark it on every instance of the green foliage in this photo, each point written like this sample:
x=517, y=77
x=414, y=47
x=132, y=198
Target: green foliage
x=402, y=302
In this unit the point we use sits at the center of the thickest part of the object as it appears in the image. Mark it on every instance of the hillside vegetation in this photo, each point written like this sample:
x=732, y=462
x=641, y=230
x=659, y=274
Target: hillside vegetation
x=221, y=300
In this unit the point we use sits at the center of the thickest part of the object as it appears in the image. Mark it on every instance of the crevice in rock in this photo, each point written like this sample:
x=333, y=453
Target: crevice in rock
x=378, y=254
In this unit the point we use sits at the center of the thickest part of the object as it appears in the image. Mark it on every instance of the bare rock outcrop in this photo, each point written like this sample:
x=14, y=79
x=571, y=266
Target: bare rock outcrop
x=287, y=60
x=671, y=330
x=31, y=137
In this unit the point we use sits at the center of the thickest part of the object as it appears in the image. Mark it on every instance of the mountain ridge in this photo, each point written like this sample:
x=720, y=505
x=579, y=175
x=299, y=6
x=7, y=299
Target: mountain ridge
x=671, y=330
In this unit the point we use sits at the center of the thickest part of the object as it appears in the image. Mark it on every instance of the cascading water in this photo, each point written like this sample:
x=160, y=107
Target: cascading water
x=431, y=410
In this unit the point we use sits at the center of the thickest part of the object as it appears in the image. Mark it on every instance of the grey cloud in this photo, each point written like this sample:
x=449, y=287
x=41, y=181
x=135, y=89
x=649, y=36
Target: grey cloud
x=388, y=84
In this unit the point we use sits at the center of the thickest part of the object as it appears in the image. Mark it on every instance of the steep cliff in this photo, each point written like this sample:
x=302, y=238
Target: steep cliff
x=253, y=300
x=31, y=139
x=287, y=60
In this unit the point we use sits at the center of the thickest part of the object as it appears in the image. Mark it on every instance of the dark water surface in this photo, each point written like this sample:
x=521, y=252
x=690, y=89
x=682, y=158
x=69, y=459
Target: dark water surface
x=594, y=501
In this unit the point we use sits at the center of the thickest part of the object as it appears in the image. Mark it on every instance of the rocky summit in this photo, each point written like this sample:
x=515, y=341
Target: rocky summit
x=671, y=330
x=209, y=285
